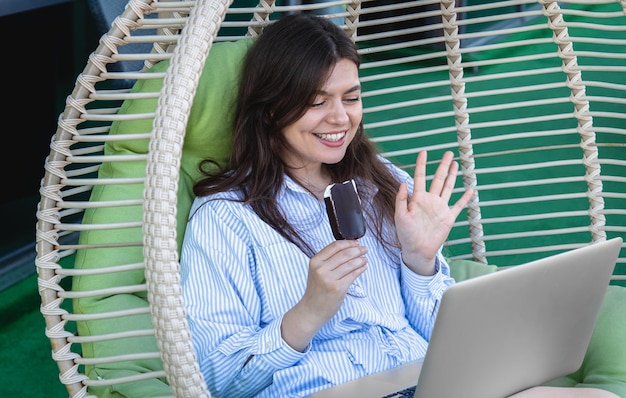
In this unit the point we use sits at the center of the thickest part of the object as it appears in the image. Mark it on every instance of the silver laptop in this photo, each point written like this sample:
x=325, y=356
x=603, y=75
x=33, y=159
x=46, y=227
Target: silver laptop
x=501, y=333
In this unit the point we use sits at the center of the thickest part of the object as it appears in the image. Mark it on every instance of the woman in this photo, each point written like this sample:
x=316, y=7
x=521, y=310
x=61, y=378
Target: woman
x=276, y=306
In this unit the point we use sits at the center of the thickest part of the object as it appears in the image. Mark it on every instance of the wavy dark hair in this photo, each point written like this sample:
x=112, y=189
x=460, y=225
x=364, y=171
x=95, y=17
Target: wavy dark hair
x=282, y=73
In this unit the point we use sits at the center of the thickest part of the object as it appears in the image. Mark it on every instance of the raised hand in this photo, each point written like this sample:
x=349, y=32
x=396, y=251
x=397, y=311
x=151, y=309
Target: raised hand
x=423, y=221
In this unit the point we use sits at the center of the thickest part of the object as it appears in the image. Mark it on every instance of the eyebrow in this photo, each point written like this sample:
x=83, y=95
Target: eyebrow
x=356, y=87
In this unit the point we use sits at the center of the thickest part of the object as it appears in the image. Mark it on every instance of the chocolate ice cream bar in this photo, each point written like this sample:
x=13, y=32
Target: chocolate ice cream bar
x=343, y=206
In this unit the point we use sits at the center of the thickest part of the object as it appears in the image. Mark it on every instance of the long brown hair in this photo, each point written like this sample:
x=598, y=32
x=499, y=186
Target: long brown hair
x=282, y=73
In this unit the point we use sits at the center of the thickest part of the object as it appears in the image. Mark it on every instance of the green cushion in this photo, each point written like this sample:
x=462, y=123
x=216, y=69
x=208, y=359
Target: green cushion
x=461, y=270
x=208, y=134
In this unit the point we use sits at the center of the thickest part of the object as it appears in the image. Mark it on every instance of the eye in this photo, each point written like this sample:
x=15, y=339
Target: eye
x=318, y=103
x=352, y=99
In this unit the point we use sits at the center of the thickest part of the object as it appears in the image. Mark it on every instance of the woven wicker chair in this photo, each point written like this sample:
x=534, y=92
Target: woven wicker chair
x=531, y=95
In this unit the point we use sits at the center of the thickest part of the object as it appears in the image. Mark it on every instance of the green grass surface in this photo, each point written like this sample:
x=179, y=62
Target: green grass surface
x=26, y=366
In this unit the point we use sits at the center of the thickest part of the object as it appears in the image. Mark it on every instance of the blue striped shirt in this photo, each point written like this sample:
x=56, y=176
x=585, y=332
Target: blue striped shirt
x=240, y=277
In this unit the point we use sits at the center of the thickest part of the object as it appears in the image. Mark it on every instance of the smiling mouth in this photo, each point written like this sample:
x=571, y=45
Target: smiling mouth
x=332, y=137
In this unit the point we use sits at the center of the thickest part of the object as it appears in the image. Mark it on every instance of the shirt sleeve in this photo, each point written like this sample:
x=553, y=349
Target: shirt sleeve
x=237, y=354
x=422, y=295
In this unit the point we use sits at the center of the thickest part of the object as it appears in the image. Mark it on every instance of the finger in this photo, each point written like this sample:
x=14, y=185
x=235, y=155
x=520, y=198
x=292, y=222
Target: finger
x=334, y=248
x=346, y=253
x=401, y=200
x=352, y=269
x=450, y=181
x=439, y=179
x=462, y=202
x=419, y=179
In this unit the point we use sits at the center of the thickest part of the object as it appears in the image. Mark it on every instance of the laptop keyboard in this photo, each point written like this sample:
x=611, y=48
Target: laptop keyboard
x=407, y=392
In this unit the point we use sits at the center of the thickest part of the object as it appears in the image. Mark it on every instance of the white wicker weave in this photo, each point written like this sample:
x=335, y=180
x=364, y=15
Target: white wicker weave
x=546, y=156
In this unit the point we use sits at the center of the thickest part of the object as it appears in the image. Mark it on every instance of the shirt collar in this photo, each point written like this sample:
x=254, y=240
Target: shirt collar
x=292, y=185
x=366, y=188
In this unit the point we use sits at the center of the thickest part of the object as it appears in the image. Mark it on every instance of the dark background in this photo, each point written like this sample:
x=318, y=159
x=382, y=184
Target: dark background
x=46, y=44
x=44, y=48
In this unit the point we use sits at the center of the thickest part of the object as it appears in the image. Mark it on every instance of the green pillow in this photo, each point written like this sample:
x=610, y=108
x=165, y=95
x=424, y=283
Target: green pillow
x=461, y=270
x=208, y=134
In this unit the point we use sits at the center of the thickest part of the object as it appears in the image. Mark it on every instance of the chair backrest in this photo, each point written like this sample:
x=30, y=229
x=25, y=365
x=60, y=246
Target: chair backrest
x=529, y=94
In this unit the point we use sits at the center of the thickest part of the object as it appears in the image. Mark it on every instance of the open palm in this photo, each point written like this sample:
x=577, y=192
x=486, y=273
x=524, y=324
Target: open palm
x=423, y=221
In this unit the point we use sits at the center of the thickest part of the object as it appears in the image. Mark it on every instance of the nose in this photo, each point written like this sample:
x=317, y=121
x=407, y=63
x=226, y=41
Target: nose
x=337, y=114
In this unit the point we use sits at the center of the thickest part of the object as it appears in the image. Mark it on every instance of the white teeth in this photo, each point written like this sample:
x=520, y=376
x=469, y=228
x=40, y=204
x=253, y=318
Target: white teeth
x=332, y=137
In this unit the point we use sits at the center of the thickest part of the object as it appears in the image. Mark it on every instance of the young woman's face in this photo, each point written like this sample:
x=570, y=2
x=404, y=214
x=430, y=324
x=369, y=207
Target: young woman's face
x=324, y=132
